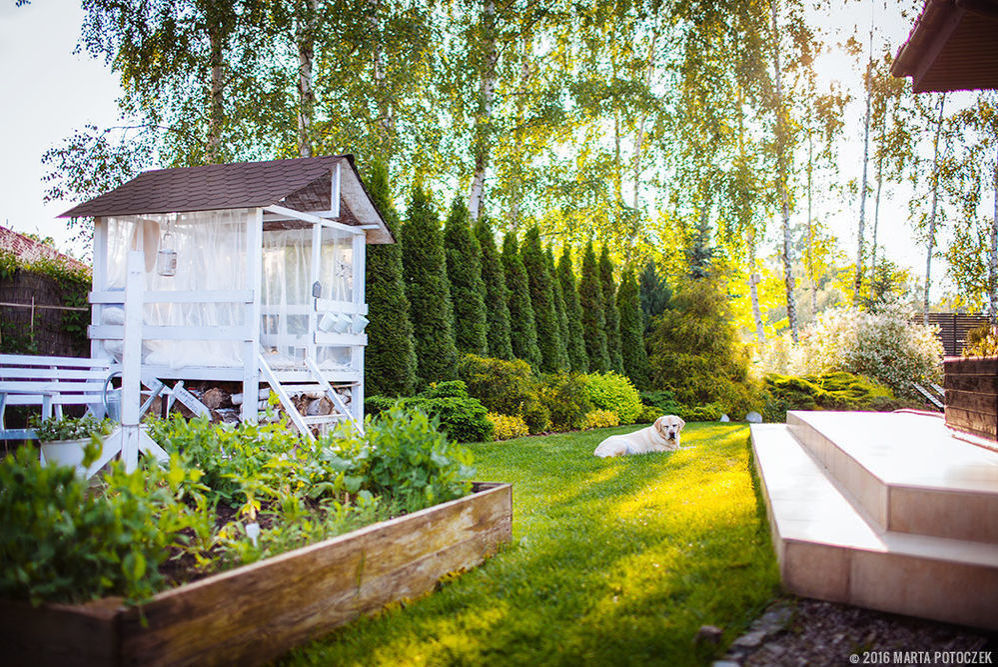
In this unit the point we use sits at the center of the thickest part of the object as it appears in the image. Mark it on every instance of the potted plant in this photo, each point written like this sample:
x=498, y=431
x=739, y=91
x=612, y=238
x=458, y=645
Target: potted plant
x=77, y=442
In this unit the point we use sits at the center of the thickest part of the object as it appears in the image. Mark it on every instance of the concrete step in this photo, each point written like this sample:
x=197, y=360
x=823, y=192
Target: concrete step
x=907, y=471
x=830, y=549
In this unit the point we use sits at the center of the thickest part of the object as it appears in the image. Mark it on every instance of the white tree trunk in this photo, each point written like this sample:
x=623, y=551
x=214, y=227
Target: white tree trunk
x=857, y=284
x=306, y=96
x=483, y=120
x=216, y=110
x=386, y=123
x=783, y=176
x=932, y=211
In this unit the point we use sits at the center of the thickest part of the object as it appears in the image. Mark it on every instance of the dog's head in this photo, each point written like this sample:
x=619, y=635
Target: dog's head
x=669, y=426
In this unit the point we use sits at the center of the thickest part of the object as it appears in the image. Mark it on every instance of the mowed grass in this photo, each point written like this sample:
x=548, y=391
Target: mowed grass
x=613, y=562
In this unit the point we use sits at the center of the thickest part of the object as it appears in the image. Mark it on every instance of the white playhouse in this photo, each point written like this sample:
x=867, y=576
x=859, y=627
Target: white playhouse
x=247, y=272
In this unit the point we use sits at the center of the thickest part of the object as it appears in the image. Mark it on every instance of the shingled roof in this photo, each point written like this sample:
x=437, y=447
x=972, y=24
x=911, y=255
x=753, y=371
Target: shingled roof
x=952, y=46
x=303, y=184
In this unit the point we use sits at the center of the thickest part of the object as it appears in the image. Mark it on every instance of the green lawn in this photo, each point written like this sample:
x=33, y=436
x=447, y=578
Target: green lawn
x=616, y=561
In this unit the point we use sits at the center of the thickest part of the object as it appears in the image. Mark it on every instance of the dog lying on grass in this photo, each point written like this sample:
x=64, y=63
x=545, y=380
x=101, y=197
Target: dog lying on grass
x=662, y=436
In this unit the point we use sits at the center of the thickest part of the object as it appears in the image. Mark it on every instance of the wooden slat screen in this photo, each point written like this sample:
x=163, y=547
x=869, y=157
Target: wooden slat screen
x=953, y=328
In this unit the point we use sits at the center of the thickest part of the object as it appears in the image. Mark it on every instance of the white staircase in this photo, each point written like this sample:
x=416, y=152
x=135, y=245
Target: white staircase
x=883, y=510
x=313, y=383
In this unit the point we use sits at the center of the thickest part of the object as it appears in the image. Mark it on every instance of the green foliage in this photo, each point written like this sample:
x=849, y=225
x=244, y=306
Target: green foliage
x=827, y=391
x=981, y=341
x=61, y=543
x=567, y=400
x=593, y=318
x=885, y=345
x=610, y=312
x=502, y=386
x=389, y=359
x=404, y=456
x=654, y=294
x=464, y=271
x=695, y=351
x=575, y=343
x=496, y=294
x=455, y=413
x=614, y=392
x=537, y=416
x=542, y=303
x=600, y=418
x=70, y=428
x=632, y=340
x=664, y=402
x=650, y=414
x=559, y=310
x=522, y=329
x=428, y=291
x=507, y=427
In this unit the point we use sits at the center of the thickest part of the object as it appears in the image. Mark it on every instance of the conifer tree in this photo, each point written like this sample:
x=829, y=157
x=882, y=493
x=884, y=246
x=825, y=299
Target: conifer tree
x=632, y=340
x=425, y=273
x=522, y=330
x=593, y=320
x=610, y=312
x=559, y=311
x=464, y=271
x=389, y=360
x=578, y=359
x=654, y=293
x=542, y=301
x=496, y=294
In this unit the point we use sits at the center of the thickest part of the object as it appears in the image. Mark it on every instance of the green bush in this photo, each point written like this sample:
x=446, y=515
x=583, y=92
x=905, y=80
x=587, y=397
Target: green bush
x=61, y=543
x=663, y=401
x=827, y=391
x=461, y=417
x=711, y=412
x=600, y=418
x=649, y=414
x=507, y=427
x=537, y=417
x=505, y=387
x=567, y=401
x=614, y=392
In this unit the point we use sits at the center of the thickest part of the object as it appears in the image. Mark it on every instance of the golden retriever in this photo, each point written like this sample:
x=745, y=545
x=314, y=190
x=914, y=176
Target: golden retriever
x=662, y=436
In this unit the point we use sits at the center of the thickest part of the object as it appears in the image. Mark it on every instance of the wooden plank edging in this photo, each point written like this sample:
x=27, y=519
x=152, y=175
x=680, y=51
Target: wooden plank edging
x=254, y=613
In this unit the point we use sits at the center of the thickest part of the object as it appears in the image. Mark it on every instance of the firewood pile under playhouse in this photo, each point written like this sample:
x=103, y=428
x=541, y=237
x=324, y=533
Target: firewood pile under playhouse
x=250, y=273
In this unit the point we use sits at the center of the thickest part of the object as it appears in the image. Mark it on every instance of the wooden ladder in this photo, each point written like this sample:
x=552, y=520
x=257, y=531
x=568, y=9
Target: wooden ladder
x=316, y=383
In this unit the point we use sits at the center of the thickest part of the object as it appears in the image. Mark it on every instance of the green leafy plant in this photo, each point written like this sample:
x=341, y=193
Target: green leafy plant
x=461, y=417
x=567, y=400
x=507, y=427
x=614, y=392
x=71, y=428
x=600, y=419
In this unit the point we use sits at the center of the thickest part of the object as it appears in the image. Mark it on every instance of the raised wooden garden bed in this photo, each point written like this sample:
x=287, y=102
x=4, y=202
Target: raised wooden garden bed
x=971, y=385
x=255, y=613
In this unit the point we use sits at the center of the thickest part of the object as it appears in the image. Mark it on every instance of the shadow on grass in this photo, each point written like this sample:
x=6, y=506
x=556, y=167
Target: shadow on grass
x=614, y=561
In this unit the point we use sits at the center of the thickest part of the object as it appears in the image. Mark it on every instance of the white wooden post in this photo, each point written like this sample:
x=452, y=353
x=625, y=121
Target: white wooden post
x=253, y=320
x=98, y=282
x=313, y=318
x=131, y=366
x=334, y=193
x=357, y=351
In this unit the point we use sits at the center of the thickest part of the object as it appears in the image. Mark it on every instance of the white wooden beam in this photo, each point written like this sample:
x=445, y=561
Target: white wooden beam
x=132, y=359
x=288, y=213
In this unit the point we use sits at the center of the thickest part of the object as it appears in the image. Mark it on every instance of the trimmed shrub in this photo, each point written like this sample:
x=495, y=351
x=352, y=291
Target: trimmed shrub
x=828, y=391
x=496, y=294
x=566, y=398
x=522, y=329
x=458, y=415
x=542, y=302
x=614, y=392
x=575, y=344
x=537, y=417
x=593, y=318
x=464, y=271
x=711, y=412
x=649, y=414
x=610, y=313
x=502, y=386
x=600, y=419
x=507, y=427
x=663, y=401
x=425, y=272
x=559, y=311
x=632, y=340
x=389, y=359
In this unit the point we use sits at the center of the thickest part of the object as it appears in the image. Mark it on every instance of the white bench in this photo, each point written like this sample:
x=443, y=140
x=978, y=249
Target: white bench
x=50, y=383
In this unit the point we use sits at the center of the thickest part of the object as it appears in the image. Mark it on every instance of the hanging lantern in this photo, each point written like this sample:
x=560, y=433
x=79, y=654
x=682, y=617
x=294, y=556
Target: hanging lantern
x=166, y=259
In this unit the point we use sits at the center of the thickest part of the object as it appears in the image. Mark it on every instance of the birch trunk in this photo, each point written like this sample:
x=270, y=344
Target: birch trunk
x=386, y=122
x=216, y=62
x=810, y=224
x=760, y=330
x=639, y=133
x=932, y=211
x=483, y=120
x=876, y=215
x=306, y=96
x=857, y=284
x=783, y=176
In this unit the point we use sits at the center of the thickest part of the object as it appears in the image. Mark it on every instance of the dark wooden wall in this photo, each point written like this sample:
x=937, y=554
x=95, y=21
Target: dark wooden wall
x=953, y=328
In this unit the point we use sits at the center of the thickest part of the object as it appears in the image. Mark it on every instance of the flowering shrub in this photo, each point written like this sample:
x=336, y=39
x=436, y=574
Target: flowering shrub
x=886, y=346
x=506, y=427
x=614, y=392
x=600, y=419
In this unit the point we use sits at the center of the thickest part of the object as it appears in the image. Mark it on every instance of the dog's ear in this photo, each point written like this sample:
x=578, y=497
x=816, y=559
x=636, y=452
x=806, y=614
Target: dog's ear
x=660, y=425
x=681, y=422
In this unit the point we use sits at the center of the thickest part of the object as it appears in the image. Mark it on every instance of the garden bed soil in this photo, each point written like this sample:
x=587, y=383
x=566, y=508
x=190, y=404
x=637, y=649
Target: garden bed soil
x=255, y=613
